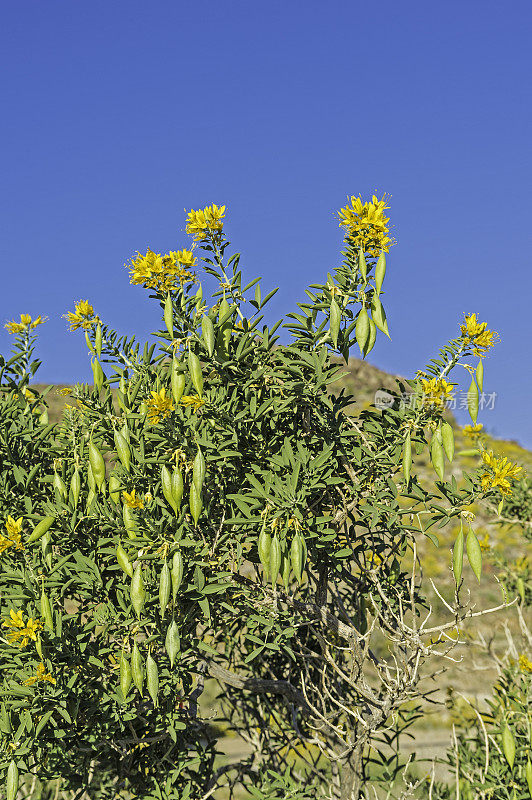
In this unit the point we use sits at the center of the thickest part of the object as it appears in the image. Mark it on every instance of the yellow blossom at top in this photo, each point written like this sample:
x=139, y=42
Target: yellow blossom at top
x=367, y=225
x=502, y=472
x=472, y=430
x=13, y=529
x=162, y=273
x=132, y=500
x=480, y=337
x=26, y=323
x=205, y=221
x=41, y=675
x=436, y=391
x=159, y=406
x=525, y=664
x=193, y=401
x=83, y=316
x=22, y=632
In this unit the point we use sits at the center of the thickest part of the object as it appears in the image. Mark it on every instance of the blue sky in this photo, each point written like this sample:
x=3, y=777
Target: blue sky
x=119, y=115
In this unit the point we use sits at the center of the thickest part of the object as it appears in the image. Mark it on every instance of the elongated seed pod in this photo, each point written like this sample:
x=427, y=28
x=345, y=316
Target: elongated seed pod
x=97, y=464
x=275, y=558
x=12, y=781
x=285, y=569
x=372, y=338
x=43, y=419
x=97, y=373
x=362, y=329
x=195, y=503
x=152, y=678
x=169, y=315
x=130, y=523
x=98, y=340
x=474, y=554
x=172, y=642
x=176, y=573
x=264, y=546
x=379, y=315
x=380, y=271
x=225, y=332
x=166, y=484
x=91, y=483
x=91, y=497
x=46, y=611
x=473, y=401
x=296, y=556
x=165, y=582
x=335, y=318
x=407, y=457
x=138, y=592
x=207, y=334
x=479, y=374
x=125, y=675
x=177, y=380
x=458, y=557
x=508, y=745
x=436, y=456
x=114, y=485
x=198, y=470
x=196, y=375
x=447, y=439
x=40, y=529
x=122, y=450
x=89, y=344
x=137, y=668
x=59, y=486
x=75, y=487
x=362, y=265
x=528, y=776
x=123, y=561
x=177, y=487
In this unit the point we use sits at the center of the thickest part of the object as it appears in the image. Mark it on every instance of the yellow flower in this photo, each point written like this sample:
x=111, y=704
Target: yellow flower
x=525, y=665
x=193, y=401
x=480, y=337
x=159, y=406
x=162, y=273
x=131, y=500
x=22, y=632
x=485, y=543
x=367, y=225
x=436, y=391
x=186, y=258
x=26, y=323
x=83, y=316
x=472, y=430
x=66, y=391
x=502, y=472
x=201, y=223
x=13, y=528
x=41, y=675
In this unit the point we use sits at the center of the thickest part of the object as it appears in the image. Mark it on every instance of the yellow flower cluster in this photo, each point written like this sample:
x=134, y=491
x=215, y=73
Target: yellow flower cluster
x=478, y=335
x=485, y=543
x=83, y=316
x=436, y=391
x=162, y=273
x=367, y=225
x=22, y=632
x=41, y=676
x=13, y=528
x=132, y=500
x=159, y=406
x=26, y=323
x=205, y=221
x=472, y=430
x=525, y=664
x=193, y=401
x=502, y=472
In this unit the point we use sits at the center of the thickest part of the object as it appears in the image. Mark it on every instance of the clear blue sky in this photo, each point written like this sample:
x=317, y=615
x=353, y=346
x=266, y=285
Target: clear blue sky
x=116, y=116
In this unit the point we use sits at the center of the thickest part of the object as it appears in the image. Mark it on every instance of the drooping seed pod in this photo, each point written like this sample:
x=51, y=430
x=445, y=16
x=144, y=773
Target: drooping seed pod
x=114, y=486
x=165, y=581
x=508, y=745
x=75, y=487
x=138, y=592
x=474, y=554
x=169, y=315
x=172, y=642
x=123, y=561
x=40, y=529
x=479, y=373
x=177, y=380
x=98, y=340
x=137, y=668
x=59, y=486
x=372, y=338
x=362, y=329
x=176, y=573
x=264, y=546
x=447, y=439
x=335, y=318
x=275, y=559
x=198, y=470
x=296, y=555
x=166, y=484
x=12, y=781
x=362, y=265
x=225, y=330
x=196, y=374
x=285, y=569
x=379, y=315
x=528, y=776
x=473, y=401
x=207, y=334
x=407, y=457
x=125, y=675
x=46, y=611
x=177, y=487
x=122, y=450
x=436, y=455
x=152, y=678
x=130, y=523
x=97, y=372
x=43, y=419
x=91, y=497
x=91, y=483
x=458, y=556
x=97, y=465
x=380, y=271
x=195, y=503
x=89, y=344
x=362, y=616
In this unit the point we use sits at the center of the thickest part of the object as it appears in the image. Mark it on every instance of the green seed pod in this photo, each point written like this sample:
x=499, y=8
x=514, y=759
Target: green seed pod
x=508, y=745
x=97, y=465
x=123, y=561
x=122, y=450
x=335, y=318
x=447, y=438
x=196, y=375
x=362, y=329
x=225, y=333
x=474, y=554
x=138, y=592
x=12, y=781
x=164, y=588
x=296, y=555
x=40, y=529
x=46, y=611
x=395, y=571
x=75, y=487
x=152, y=678
x=169, y=315
x=98, y=340
x=362, y=616
x=176, y=573
x=285, y=569
x=473, y=401
x=114, y=485
x=458, y=556
x=97, y=372
x=195, y=503
x=177, y=487
x=178, y=381
x=43, y=419
x=264, y=546
x=89, y=344
x=130, y=523
x=362, y=265
x=407, y=457
x=372, y=338
x=172, y=642
x=275, y=559
x=90, y=479
x=59, y=486
x=379, y=315
x=207, y=334
x=436, y=456
x=479, y=373
x=198, y=470
x=166, y=484
x=137, y=668
x=91, y=497
x=528, y=776
x=380, y=271
x=125, y=675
